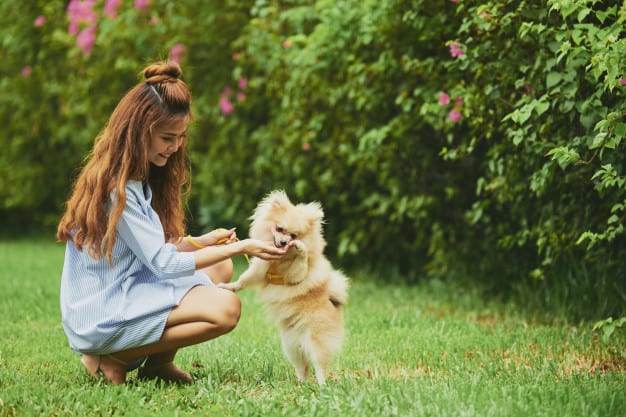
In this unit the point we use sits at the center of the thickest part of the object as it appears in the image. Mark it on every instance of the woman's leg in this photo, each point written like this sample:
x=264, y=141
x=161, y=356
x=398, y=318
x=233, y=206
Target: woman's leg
x=204, y=313
x=221, y=272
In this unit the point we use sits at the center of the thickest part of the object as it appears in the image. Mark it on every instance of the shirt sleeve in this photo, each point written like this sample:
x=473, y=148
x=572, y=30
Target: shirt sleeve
x=146, y=239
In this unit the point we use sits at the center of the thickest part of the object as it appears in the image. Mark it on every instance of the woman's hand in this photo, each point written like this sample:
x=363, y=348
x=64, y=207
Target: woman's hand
x=264, y=250
x=212, y=254
x=218, y=237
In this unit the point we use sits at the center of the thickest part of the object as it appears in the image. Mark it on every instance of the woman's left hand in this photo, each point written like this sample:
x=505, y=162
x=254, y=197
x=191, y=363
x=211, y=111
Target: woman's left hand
x=219, y=237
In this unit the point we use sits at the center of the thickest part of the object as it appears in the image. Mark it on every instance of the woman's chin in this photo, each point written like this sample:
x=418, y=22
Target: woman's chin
x=159, y=161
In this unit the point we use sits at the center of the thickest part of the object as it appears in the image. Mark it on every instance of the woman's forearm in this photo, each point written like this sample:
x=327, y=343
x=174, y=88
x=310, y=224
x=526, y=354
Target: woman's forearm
x=216, y=253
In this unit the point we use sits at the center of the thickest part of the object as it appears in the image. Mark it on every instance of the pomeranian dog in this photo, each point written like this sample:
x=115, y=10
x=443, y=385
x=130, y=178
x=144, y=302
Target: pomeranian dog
x=303, y=294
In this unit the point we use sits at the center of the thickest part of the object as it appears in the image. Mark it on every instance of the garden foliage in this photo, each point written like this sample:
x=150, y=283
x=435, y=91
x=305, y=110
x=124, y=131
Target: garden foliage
x=478, y=138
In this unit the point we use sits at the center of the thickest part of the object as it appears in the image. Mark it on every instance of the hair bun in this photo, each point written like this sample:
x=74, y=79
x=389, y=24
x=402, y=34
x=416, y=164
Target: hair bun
x=162, y=71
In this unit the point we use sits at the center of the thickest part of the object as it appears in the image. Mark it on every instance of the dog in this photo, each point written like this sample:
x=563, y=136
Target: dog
x=303, y=293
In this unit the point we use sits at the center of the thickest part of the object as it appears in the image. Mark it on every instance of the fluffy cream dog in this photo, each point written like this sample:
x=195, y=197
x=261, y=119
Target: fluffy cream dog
x=303, y=293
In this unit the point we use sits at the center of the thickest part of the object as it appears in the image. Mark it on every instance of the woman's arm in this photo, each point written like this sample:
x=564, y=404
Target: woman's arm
x=146, y=240
x=215, y=237
x=213, y=254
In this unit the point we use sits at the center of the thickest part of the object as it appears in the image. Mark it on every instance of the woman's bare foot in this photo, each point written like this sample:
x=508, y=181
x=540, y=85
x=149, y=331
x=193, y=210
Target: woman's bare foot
x=113, y=369
x=167, y=372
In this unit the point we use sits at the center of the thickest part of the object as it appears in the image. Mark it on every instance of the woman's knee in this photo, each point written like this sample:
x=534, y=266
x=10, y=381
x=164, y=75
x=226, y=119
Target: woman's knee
x=221, y=272
x=230, y=311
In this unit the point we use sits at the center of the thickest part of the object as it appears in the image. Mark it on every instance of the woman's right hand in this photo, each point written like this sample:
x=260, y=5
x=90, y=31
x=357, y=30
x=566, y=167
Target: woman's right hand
x=213, y=254
x=264, y=250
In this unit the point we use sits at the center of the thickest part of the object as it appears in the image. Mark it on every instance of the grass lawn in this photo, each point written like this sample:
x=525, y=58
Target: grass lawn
x=429, y=350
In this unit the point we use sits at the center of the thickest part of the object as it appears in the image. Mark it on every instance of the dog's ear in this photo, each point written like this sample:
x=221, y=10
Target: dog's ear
x=278, y=200
x=314, y=212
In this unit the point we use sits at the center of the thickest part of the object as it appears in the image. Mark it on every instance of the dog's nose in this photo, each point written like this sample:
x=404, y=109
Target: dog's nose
x=283, y=243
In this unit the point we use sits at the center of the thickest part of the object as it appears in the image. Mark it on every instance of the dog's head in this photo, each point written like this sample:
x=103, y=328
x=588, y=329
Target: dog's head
x=276, y=219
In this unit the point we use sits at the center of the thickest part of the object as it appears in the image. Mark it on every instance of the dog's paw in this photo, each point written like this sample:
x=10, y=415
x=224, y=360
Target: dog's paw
x=232, y=286
x=299, y=245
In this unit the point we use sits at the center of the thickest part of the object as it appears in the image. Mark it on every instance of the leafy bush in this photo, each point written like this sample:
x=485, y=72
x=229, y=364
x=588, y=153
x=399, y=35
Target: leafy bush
x=474, y=135
x=466, y=138
x=608, y=327
x=58, y=86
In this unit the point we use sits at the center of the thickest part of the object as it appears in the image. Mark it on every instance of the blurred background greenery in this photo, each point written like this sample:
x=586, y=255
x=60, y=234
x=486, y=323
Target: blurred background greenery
x=476, y=141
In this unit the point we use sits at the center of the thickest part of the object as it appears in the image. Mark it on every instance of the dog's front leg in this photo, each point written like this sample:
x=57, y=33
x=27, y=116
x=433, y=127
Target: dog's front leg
x=253, y=275
x=299, y=267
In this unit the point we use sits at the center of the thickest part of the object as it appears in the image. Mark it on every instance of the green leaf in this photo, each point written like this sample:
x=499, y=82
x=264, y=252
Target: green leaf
x=613, y=219
x=541, y=107
x=553, y=79
x=598, y=140
x=584, y=12
x=608, y=327
x=564, y=156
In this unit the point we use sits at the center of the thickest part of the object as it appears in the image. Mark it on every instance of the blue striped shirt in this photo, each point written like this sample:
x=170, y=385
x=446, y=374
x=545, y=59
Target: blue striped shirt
x=107, y=308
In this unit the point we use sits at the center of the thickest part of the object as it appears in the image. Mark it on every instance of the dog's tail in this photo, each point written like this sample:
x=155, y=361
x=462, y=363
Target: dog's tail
x=338, y=288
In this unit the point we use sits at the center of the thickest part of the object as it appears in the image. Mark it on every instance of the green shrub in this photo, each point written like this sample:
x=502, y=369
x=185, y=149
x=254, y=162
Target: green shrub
x=343, y=106
x=55, y=97
x=472, y=139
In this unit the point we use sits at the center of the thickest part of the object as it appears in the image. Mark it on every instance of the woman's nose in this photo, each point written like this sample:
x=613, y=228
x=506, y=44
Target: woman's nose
x=174, y=146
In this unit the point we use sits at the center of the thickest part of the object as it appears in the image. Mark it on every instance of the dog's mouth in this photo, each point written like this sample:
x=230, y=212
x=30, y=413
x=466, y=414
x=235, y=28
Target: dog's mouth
x=280, y=243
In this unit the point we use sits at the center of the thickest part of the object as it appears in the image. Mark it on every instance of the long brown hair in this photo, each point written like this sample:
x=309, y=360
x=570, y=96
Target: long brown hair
x=120, y=154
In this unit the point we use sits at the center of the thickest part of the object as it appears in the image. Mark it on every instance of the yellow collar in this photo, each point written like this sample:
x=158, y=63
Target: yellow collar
x=273, y=277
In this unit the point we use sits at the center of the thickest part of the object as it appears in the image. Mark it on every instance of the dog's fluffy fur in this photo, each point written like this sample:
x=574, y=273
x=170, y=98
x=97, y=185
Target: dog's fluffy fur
x=307, y=308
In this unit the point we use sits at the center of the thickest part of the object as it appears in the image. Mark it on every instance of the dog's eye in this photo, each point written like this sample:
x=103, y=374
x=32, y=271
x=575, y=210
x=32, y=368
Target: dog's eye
x=279, y=229
x=294, y=236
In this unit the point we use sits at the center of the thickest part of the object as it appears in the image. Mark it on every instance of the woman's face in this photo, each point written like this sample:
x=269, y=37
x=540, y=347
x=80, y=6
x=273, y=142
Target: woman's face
x=166, y=140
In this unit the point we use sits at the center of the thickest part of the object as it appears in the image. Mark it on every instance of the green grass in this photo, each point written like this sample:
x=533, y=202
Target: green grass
x=428, y=350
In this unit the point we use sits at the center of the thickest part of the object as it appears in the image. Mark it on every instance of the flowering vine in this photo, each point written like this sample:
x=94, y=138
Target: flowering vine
x=83, y=19
x=455, y=113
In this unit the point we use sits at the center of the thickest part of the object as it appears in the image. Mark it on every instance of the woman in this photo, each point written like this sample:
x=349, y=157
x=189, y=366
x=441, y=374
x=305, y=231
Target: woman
x=133, y=288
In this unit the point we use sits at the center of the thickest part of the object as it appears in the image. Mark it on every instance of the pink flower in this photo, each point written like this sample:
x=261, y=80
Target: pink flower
x=154, y=20
x=40, y=21
x=243, y=83
x=73, y=28
x=226, y=106
x=241, y=96
x=458, y=102
x=306, y=146
x=236, y=56
x=287, y=44
x=80, y=12
x=622, y=81
x=454, y=115
x=443, y=98
x=141, y=4
x=455, y=49
x=110, y=8
x=26, y=71
x=226, y=91
x=86, y=38
x=177, y=52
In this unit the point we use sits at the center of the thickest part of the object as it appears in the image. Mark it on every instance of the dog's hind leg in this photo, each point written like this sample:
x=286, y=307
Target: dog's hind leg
x=320, y=363
x=320, y=357
x=296, y=355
